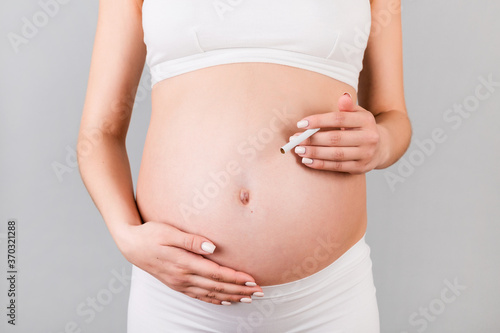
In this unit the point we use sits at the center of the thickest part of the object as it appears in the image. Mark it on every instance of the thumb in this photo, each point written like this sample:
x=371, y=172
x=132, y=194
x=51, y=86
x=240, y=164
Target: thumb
x=197, y=244
x=190, y=242
x=345, y=103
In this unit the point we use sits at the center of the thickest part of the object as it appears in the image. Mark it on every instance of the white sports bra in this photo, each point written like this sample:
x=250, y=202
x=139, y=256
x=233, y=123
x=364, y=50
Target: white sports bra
x=324, y=36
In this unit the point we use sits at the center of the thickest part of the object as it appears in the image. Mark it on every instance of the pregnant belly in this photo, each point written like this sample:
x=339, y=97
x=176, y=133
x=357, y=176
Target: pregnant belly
x=211, y=166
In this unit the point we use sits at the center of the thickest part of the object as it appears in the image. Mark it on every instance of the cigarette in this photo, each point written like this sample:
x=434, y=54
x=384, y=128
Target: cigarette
x=298, y=139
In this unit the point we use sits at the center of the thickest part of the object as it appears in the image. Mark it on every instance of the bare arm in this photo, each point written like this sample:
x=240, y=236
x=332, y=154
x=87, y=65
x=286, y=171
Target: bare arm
x=381, y=81
x=117, y=62
x=169, y=254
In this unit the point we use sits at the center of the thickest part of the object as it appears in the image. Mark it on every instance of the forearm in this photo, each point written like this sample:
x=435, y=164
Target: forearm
x=105, y=171
x=395, y=135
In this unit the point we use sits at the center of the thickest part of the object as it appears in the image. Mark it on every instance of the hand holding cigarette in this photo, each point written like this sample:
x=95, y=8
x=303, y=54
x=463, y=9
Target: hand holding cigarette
x=350, y=141
x=298, y=139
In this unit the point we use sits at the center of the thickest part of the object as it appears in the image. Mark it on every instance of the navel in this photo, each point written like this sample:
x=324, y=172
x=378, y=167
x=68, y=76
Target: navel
x=244, y=196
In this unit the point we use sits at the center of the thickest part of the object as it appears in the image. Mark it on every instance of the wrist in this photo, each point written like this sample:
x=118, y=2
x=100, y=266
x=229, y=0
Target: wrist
x=123, y=237
x=384, y=148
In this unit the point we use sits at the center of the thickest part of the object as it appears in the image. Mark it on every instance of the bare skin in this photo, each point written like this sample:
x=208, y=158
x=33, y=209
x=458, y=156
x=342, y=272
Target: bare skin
x=257, y=216
x=212, y=171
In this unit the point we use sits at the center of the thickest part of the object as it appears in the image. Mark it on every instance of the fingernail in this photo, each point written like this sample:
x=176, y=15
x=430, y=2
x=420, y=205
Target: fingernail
x=306, y=160
x=302, y=123
x=348, y=94
x=250, y=284
x=226, y=303
x=292, y=137
x=300, y=150
x=208, y=247
x=246, y=300
x=258, y=293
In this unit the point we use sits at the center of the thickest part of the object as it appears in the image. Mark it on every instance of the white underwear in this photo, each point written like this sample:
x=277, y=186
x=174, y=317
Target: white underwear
x=339, y=298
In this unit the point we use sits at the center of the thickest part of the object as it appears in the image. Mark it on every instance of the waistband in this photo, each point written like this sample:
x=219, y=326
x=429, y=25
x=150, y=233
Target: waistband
x=339, y=70
x=354, y=264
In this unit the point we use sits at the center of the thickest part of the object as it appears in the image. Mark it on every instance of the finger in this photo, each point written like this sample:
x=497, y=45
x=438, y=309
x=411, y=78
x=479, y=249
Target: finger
x=221, y=291
x=335, y=138
x=204, y=299
x=354, y=167
x=191, y=269
x=346, y=103
x=198, y=265
x=332, y=119
x=223, y=288
x=222, y=283
x=218, y=273
x=329, y=153
x=214, y=297
x=353, y=119
x=172, y=236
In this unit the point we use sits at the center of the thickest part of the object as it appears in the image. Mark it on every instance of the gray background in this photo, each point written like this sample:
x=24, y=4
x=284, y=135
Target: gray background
x=437, y=225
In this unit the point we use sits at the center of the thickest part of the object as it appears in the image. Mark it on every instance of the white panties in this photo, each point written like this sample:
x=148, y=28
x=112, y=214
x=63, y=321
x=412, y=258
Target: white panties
x=339, y=298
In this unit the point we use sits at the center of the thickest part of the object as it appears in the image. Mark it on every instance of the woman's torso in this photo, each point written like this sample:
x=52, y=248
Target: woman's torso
x=217, y=132
x=212, y=166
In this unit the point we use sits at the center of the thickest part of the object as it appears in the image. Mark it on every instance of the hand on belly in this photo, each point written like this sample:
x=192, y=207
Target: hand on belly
x=273, y=212
x=178, y=260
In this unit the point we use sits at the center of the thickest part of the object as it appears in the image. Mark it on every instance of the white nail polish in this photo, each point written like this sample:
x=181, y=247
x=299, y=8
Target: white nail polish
x=302, y=123
x=291, y=138
x=300, y=150
x=246, y=300
x=306, y=160
x=250, y=284
x=225, y=303
x=258, y=293
x=208, y=247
